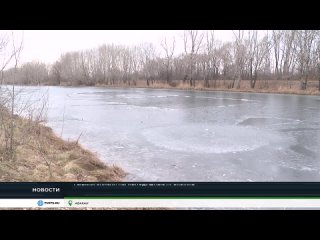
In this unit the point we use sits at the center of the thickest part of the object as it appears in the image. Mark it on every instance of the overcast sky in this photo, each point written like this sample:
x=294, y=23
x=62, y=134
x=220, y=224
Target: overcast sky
x=47, y=45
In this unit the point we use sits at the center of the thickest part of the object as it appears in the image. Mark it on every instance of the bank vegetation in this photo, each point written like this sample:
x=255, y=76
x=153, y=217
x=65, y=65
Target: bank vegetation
x=286, y=61
x=29, y=150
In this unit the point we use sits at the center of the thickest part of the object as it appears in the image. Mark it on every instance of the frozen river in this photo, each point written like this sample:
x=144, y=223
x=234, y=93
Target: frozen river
x=173, y=135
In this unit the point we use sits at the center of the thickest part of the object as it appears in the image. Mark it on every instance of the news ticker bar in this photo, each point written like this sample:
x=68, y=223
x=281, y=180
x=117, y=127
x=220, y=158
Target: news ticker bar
x=58, y=190
x=162, y=203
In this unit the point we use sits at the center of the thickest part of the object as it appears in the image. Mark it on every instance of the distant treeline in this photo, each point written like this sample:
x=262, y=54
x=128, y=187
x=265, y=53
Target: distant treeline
x=251, y=55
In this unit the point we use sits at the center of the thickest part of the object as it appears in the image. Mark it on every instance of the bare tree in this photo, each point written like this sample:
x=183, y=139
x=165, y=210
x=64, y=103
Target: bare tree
x=32, y=73
x=192, y=42
x=225, y=53
x=102, y=68
x=289, y=52
x=17, y=52
x=148, y=53
x=169, y=51
x=240, y=54
x=126, y=67
x=211, y=59
x=317, y=59
x=305, y=43
x=4, y=43
x=8, y=97
x=56, y=72
x=252, y=55
x=277, y=39
x=257, y=51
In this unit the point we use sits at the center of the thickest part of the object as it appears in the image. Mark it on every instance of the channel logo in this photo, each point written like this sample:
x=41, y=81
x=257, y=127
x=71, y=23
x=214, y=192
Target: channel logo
x=40, y=203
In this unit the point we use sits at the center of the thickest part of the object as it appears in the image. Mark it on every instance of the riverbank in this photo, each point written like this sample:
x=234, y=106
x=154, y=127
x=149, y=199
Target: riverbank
x=262, y=86
x=41, y=156
x=271, y=86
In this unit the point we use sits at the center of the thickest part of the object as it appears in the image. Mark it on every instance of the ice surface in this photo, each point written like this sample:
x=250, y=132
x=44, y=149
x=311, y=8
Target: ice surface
x=216, y=139
x=168, y=135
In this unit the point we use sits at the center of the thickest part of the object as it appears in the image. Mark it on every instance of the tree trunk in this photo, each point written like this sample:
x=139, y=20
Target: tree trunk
x=253, y=82
x=233, y=83
x=12, y=124
x=237, y=83
x=319, y=78
x=303, y=85
x=191, y=73
x=304, y=82
x=254, y=79
x=207, y=82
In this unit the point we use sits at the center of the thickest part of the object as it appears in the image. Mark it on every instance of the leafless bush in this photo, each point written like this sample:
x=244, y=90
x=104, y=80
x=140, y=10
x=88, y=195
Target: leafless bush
x=20, y=112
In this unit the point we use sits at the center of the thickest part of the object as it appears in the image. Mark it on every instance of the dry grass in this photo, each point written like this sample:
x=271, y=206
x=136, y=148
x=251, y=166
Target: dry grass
x=262, y=86
x=68, y=160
